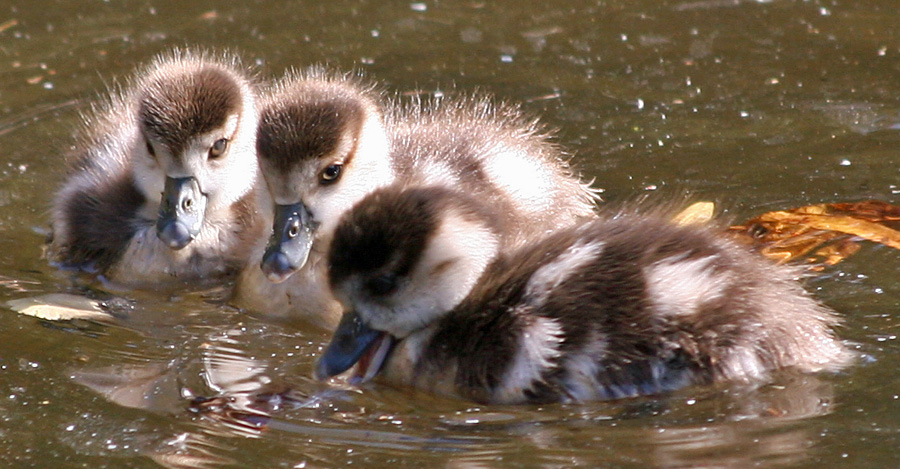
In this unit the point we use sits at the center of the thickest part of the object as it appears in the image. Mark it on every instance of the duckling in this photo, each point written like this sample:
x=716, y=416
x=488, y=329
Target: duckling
x=322, y=146
x=611, y=308
x=326, y=140
x=183, y=127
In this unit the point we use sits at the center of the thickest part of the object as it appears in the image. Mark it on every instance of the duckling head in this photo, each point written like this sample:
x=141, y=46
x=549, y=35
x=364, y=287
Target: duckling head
x=398, y=262
x=196, y=123
x=322, y=147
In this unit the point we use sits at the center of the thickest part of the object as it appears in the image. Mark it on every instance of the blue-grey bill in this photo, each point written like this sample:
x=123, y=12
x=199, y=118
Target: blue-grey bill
x=293, y=233
x=181, y=212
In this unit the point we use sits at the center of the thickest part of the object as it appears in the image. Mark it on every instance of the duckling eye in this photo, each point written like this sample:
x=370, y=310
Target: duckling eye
x=218, y=148
x=331, y=173
x=382, y=285
x=150, y=149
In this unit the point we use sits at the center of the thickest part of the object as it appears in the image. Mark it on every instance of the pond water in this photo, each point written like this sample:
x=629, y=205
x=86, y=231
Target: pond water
x=756, y=105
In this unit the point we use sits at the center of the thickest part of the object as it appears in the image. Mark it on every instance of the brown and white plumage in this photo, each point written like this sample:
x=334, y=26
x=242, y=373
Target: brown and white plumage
x=322, y=146
x=326, y=140
x=612, y=308
x=494, y=152
x=184, y=127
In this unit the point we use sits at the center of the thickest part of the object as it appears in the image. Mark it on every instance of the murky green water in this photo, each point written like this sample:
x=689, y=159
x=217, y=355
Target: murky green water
x=754, y=104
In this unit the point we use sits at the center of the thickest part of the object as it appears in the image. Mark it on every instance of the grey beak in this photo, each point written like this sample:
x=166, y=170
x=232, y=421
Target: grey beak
x=181, y=212
x=351, y=340
x=291, y=241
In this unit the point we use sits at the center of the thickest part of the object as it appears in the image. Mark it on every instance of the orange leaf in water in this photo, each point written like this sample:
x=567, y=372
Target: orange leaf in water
x=829, y=231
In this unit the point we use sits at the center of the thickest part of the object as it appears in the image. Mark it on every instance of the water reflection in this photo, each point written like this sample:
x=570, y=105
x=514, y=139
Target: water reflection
x=190, y=450
x=760, y=425
x=156, y=380
x=239, y=396
x=223, y=394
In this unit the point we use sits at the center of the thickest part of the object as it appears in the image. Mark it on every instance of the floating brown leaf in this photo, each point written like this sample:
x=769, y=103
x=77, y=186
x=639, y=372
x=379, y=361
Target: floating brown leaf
x=828, y=231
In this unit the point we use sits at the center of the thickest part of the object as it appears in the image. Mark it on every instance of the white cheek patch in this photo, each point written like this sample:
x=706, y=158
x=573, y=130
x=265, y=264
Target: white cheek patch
x=369, y=169
x=681, y=287
x=523, y=180
x=549, y=276
x=413, y=310
x=456, y=257
x=470, y=247
x=538, y=347
x=227, y=179
x=147, y=174
x=329, y=204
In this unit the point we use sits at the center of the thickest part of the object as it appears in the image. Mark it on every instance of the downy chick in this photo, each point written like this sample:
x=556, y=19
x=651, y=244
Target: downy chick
x=612, y=308
x=326, y=140
x=164, y=184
